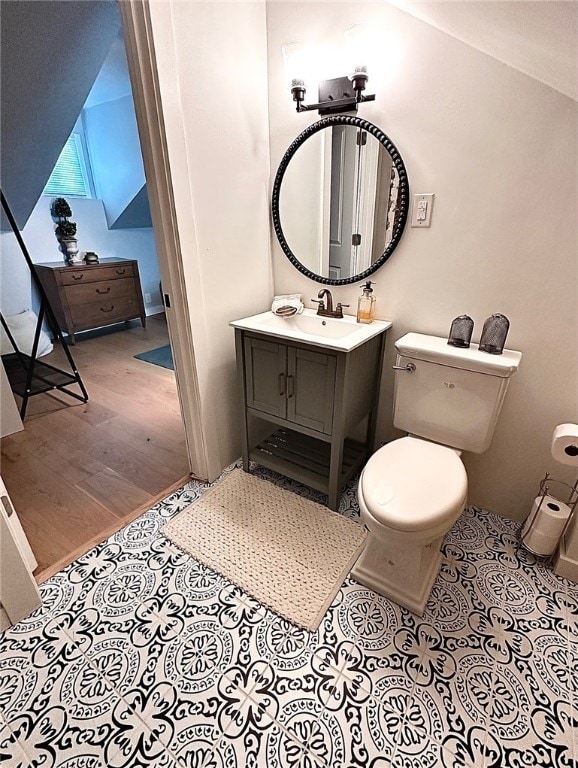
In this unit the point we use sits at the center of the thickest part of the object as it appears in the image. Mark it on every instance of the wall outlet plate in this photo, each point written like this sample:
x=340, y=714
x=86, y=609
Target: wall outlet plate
x=421, y=209
x=147, y=298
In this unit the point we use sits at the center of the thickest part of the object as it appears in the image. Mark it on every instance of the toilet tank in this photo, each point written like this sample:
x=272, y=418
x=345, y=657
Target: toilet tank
x=453, y=396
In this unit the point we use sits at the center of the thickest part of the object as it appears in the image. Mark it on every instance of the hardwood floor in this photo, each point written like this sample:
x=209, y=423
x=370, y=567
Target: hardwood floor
x=80, y=471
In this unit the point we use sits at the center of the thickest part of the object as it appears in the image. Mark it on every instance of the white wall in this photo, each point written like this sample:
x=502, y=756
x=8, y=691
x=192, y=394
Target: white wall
x=113, y=80
x=302, y=204
x=115, y=154
x=10, y=421
x=498, y=149
x=212, y=74
x=93, y=235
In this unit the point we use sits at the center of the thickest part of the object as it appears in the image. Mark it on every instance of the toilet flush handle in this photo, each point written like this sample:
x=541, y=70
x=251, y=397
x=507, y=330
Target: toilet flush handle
x=409, y=368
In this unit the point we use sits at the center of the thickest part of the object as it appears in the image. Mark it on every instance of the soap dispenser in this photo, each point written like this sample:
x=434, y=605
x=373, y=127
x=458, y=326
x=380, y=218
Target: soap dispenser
x=366, y=304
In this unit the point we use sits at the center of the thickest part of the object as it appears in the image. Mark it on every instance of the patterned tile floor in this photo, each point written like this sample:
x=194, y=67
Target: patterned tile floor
x=142, y=657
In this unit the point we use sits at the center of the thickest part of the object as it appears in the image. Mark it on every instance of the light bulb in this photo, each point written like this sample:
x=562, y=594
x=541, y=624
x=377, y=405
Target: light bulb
x=295, y=60
x=357, y=47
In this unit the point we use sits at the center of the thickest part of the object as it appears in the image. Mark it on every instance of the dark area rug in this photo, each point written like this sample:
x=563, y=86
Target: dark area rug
x=162, y=356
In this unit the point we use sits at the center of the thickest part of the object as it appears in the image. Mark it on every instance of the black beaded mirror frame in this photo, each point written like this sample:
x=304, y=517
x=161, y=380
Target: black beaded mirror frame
x=403, y=195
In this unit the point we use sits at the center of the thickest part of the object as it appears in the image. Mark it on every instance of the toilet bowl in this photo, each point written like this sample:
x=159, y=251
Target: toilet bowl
x=412, y=490
x=410, y=493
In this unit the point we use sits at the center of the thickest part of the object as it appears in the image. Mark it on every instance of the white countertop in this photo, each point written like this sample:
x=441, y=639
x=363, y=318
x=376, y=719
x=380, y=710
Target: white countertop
x=343, y=334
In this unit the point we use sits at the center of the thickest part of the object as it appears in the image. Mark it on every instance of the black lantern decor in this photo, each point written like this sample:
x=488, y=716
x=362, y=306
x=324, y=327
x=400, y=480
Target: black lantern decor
x=494, y=334
x=461, y=331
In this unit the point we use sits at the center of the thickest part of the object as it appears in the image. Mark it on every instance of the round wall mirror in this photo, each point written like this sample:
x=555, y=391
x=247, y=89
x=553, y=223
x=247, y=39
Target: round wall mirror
x=340, y=200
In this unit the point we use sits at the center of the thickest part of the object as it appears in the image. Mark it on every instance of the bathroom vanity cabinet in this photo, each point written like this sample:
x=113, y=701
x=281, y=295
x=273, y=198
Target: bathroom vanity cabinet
x=291, y=383
x=308, y=411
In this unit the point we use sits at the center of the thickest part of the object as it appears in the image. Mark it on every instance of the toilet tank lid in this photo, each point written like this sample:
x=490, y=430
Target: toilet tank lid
x=434, y=349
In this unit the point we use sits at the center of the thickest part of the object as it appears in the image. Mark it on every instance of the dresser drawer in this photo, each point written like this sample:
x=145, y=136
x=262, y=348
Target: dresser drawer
x=99, y=291
x=96, y=274
x=104, y=312
x=91, y=296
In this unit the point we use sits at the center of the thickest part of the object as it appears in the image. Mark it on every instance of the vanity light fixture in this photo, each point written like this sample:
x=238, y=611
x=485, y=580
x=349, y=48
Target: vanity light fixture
x=340, y=94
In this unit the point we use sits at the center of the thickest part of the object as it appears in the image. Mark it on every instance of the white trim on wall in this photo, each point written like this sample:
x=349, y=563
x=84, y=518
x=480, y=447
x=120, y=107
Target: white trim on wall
x=207, y=162
x=19, y=593
x=156, y=309
x=142, y=68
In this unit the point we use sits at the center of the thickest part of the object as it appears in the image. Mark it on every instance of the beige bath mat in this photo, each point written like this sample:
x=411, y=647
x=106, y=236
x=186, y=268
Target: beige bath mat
x=290, y=553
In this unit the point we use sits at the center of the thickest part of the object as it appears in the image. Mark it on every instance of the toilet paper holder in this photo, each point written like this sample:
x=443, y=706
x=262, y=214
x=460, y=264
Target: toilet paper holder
x=561, y=488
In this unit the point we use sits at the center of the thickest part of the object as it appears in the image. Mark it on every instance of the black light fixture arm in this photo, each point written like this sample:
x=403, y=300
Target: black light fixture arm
x=336, y=105
x=341, y=94
x=298, y=93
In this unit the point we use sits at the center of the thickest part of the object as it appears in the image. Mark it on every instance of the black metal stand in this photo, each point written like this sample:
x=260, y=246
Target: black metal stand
x=27, y=375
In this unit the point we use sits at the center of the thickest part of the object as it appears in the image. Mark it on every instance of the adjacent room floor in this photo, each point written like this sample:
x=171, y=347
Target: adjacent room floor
x=143, y=657
x=79, y=471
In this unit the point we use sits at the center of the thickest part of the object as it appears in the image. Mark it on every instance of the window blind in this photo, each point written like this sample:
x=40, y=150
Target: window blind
x=69, y=174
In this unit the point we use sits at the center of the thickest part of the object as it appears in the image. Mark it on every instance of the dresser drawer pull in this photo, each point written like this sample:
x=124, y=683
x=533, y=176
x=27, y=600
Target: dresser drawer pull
x=121, y=271
x=78, y=277
x=103, y=290
x=102, y=309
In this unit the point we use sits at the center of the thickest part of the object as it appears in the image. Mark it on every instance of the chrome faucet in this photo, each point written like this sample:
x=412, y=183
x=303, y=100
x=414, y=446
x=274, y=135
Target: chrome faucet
x=328, y=311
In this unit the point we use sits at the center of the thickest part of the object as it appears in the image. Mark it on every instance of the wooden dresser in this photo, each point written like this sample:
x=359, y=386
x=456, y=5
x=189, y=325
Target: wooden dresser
x=89, y=296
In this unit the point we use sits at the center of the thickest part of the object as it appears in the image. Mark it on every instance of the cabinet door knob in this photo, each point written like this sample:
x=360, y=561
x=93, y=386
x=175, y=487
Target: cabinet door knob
x=120, y=271
x=290, y=387
x=101, y=290
x=281, y=383
x=78, y=277
x=102, y=309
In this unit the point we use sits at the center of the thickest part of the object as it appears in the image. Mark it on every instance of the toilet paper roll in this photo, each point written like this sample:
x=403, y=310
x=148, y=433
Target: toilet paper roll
x=540, y=544
x=565, y=444
x=541, y=532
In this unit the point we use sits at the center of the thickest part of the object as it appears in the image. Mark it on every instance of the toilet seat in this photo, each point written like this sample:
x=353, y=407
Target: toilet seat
x=411, y=484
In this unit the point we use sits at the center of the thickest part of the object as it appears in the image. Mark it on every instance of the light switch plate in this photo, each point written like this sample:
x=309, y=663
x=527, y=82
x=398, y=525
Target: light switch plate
x=421, y=209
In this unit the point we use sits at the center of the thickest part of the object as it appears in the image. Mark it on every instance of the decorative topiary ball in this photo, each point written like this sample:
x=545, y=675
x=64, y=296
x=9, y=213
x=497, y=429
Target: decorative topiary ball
x=61, y=209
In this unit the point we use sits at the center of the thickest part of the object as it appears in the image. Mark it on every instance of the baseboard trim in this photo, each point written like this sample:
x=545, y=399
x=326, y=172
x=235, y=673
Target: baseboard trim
x=156, y=309
x=565, y=565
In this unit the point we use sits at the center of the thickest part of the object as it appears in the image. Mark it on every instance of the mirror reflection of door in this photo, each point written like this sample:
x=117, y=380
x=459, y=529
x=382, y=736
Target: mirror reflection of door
x=359, y=172
x=339, y=200
x=341, y=172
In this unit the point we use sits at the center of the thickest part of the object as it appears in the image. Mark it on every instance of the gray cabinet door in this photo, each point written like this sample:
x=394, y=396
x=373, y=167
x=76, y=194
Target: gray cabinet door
x=310, y=388
x=265, y=376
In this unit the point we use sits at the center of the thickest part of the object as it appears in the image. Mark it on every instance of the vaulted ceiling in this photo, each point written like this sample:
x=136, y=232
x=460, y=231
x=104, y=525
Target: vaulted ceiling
x=537, y=37
x=47, y=75
x=50, y=55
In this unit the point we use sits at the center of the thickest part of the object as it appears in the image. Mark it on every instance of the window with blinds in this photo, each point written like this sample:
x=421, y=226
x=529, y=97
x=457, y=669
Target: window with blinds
x=69, y=176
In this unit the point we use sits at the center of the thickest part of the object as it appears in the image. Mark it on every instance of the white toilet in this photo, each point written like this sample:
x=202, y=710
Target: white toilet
x=413, y=489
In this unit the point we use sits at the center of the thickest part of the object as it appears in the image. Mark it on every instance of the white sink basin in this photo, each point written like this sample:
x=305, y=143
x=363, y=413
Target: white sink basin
x=328, y=327
x=344, y=333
